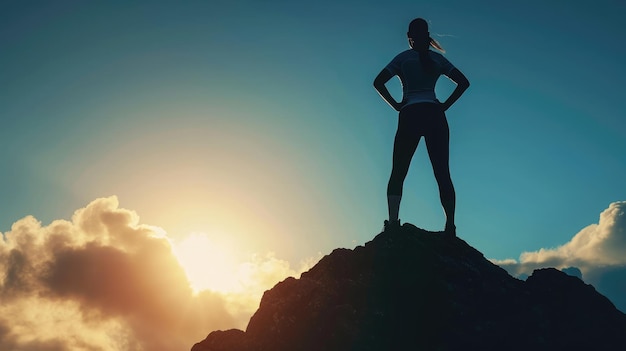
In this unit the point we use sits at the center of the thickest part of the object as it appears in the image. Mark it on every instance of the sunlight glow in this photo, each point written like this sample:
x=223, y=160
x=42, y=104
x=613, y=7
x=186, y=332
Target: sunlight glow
x=207, y=265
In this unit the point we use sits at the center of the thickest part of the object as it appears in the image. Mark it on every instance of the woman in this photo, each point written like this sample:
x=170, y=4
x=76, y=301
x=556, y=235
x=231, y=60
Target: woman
x=421, y=114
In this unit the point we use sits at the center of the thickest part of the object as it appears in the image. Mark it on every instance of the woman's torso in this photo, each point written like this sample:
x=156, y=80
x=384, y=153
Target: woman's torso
x=418, y=80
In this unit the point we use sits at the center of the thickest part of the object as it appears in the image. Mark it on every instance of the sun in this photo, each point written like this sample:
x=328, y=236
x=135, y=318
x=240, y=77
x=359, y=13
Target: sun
x=207, y=265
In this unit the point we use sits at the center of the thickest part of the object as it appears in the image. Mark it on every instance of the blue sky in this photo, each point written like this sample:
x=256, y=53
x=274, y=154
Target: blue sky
x=257, y=123
x=93, y=93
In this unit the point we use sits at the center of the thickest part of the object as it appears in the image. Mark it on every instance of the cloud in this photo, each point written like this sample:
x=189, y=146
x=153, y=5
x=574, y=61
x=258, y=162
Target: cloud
x=597, y=251
x=103, y=281
x=258, y=275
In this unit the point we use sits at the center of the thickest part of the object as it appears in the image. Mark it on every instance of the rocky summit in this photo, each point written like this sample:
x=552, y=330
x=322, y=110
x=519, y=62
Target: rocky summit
x=411, y=289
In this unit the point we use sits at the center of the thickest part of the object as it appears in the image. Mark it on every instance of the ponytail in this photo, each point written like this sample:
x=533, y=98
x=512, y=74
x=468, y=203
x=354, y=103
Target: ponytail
x=435, y=44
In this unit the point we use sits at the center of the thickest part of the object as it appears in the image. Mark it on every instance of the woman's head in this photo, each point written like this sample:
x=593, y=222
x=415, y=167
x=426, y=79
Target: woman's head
x=419, y=37
x=418, y=27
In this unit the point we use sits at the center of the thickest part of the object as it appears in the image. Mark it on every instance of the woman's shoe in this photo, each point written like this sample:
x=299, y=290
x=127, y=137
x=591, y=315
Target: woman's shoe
x=391, y=225
x=450, y=231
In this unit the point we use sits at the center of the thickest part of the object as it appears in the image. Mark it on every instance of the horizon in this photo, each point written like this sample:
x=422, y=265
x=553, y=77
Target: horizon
x=249, y=137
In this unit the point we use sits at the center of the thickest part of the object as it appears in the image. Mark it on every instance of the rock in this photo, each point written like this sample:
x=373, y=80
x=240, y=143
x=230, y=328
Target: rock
x=233, y=339
x=413, y=289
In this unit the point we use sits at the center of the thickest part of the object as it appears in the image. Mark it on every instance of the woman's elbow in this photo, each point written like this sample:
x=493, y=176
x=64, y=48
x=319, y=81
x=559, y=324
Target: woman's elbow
x=464, y=84
x=378, y=82
x=378, y=85
x=381, y=79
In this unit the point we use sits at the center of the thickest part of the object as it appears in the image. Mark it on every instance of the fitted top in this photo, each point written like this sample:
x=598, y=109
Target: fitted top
x=418, y=85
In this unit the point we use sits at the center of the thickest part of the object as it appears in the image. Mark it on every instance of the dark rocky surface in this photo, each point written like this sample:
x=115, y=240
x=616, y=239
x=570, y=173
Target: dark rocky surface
x=416, y=290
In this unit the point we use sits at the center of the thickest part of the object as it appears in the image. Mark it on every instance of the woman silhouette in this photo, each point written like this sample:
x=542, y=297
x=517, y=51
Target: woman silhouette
x=421, y=114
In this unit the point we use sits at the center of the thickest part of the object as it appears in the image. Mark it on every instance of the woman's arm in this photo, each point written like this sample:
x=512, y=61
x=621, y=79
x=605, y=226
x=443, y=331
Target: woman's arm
x=461, y=85
x=379, y=84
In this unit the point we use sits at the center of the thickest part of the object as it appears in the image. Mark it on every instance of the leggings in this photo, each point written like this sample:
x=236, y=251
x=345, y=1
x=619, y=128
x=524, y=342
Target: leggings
x=429, y=121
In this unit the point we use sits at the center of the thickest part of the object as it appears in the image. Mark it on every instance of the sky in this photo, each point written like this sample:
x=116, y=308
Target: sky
x=239, y=141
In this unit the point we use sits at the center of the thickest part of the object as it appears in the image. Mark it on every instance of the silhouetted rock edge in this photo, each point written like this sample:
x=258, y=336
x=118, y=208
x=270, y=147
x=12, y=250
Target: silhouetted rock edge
x=414, y=289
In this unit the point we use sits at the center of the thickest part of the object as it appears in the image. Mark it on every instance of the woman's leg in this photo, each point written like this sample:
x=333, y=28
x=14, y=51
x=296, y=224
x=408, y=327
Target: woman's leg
x=405, y=144
x=438, y=145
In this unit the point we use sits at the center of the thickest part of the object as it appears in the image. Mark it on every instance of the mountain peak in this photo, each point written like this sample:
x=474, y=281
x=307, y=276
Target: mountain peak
x=414, y=289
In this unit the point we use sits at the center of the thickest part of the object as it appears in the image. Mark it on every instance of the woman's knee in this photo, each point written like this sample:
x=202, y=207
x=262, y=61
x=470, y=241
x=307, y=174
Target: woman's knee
x=398, y=174
x=443, y=178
